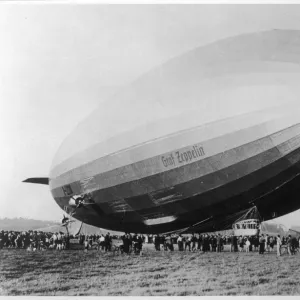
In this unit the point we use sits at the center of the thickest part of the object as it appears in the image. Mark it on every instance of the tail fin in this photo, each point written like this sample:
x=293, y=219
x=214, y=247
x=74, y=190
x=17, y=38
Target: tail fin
x=39, y=180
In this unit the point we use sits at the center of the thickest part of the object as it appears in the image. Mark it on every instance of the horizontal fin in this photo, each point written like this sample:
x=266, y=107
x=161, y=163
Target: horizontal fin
x=39, y=180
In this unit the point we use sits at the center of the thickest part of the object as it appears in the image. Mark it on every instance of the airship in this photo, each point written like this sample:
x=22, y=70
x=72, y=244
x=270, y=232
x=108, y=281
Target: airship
x=204, y=136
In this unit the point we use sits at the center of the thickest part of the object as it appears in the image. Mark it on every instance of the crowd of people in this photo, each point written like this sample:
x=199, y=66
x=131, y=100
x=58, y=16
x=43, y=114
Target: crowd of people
x=40, y=240
x=128, y=243
x=216, y=242
x=34, y=240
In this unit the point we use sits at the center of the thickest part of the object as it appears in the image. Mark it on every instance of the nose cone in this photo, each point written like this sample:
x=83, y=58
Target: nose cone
x=230, y=77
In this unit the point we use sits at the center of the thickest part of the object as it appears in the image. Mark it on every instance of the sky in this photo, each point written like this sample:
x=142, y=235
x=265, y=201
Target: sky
x=58, y=62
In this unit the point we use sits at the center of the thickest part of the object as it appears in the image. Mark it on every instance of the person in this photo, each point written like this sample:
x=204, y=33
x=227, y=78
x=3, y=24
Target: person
x=241, y=244
x=188, y=243
x=47, y=241
x=169, y=244
x=63, y=242
x=231, y=243
x=163, y=242
x=294, y=245
x=86, y=244
x=223, y=241
x=256, y=242
x=200, y=242
x=205, y=247
x=267, y=246
x=213, y=242
x=193, y=240
x=26, y=242
x=283, y=240
x=90, y=241
x=150, y=239
x=157, y=242
x=251, y=240
x=18, y=241
x=94, y=238
x=135, y=243
x=125, y=240
x=235, y=243
x=59, y=241
x=278, y=245
x=180, y=243
x=247, y=245
x=219, y=243
x=140, y=241
x=289, y=244
x=130, y=242
x=1, y=239
x=54, y=240
x=82, y=239
x=108, y=241
x=262, y=242
x=102, y=242
x=272, y=243
x=67, y=241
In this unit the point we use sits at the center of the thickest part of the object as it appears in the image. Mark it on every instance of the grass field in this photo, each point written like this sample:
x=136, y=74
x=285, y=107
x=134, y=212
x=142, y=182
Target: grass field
x=155, y=273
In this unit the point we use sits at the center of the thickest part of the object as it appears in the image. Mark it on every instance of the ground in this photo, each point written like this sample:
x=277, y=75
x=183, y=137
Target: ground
x=75, y=272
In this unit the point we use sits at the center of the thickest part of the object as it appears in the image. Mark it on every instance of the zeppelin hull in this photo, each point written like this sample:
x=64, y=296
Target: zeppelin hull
x=206, y=135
